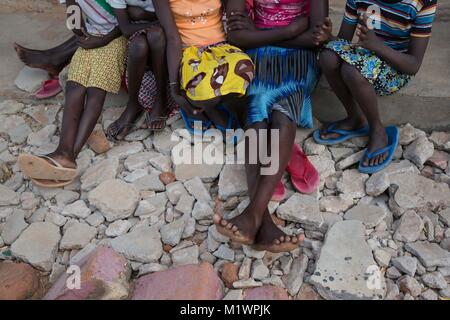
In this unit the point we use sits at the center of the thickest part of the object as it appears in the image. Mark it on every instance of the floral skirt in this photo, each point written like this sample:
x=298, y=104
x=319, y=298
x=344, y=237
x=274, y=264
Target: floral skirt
x=284, y=81
x=215, y=71
x=385, y=79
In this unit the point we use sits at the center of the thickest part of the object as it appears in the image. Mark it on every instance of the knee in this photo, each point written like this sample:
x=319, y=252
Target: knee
x=156, y=38
x=351, y=75
x=329, y=60
x=138, y=48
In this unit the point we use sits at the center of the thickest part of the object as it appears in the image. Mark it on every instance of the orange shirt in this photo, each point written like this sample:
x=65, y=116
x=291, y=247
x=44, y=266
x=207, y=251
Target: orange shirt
x=199, y=21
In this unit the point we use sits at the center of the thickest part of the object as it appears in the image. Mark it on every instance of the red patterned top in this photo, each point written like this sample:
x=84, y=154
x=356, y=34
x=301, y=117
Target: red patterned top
x=277, y=13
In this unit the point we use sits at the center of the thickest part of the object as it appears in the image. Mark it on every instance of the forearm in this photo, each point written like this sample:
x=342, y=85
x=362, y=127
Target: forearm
x=248, y=39
x=304, y=40
x=128, y=28
x=402, y=62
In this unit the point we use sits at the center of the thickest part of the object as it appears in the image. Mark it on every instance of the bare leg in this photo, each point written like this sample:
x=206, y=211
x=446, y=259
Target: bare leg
x=52, y=60
x=331, y=67
x=157, y=44
x=138, y=54
x=94, y=104
x=367, y=99
x=73, y=110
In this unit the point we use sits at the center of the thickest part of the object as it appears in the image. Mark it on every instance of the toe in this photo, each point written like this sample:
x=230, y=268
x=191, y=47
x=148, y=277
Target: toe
x=277, y=242
x=229, y=226
x=294, y=239
x=234, y=228
x=224, y=223
x=217, y=219
x=287, y=239
x=281, y=239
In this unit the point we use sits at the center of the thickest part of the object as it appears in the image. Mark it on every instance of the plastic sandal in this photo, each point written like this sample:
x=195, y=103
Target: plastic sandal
x=344, y=134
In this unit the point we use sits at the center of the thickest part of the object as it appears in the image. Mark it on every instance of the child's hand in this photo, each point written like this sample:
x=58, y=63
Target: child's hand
x=88, y=41
x=239, y=21
x=367, y=38
x=323, y=33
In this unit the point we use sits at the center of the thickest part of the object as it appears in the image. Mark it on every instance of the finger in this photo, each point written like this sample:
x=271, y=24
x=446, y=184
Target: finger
x=328, y=23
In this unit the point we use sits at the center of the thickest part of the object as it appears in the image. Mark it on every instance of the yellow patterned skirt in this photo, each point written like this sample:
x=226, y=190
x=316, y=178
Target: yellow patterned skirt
x=215, y=71
x=101, y=68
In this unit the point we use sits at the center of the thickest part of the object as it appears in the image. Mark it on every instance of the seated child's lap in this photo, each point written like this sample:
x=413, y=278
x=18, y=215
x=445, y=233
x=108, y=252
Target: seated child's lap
x=101, y=68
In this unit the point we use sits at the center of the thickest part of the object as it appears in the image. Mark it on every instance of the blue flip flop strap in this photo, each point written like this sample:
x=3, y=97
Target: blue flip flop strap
x=378, y=152
x=190, y=122
x=345, y=132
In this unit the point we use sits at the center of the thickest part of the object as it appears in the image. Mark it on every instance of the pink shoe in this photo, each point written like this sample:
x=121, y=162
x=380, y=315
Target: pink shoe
x=280, y=192
x=304, y=176
x=49, y=89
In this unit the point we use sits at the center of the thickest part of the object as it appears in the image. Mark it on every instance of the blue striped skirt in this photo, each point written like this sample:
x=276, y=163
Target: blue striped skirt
x=284, y=81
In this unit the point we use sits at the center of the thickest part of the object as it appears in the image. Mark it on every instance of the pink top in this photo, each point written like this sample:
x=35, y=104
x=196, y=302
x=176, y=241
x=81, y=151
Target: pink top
x=278, y=13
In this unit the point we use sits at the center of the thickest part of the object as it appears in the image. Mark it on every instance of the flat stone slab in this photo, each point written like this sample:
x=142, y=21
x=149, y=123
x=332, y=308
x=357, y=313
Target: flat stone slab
x=189, y=282
x=429, y=254
x=346, y=266
x=301, y=208
x=370, y=215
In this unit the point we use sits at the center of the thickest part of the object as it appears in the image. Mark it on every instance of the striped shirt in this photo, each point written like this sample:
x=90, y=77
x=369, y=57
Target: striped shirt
x=98, y=16
x=398, y=20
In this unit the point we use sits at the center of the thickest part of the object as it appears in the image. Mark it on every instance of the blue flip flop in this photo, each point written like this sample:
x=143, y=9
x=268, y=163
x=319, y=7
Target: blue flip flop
x=190, y=124
x=393, y=134
x=344, y=134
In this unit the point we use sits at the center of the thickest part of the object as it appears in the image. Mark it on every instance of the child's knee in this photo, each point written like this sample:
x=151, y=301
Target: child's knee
x=329, y=60
x=156, y=38
x=138, y=48
x=351, y=75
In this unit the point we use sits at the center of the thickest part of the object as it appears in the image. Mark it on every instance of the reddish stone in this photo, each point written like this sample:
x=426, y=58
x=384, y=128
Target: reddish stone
x=167, y=178
x=98, y=141
x=18, y=281
x=230, y=274
x=427, y=172
x=278, y=221
x=307, y=292
x=167, y=248
x=104, y=276
x=189, y=282
x=266, y=293
x=439, y=159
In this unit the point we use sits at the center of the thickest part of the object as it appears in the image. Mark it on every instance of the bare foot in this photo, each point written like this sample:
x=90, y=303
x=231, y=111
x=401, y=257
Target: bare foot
x=64, y=160
x=350, y=123
x=378, y=139
x=39, y=59
x=156, y=119
x=120, y=128
x=241, y=229
x=271, y=238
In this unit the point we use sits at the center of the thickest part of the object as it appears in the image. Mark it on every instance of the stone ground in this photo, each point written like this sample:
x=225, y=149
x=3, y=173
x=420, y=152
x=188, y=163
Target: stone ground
x=141, y=227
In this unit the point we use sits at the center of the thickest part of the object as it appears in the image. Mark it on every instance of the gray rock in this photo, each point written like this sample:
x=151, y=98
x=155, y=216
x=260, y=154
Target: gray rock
x=78, y=209
x=118, y=228
x=214, y=234
x=441, y=140
x=185, y=256
x=259, y=270
x=197, y=189
x=98, y=173
x=413, y=191
x=42, y=136
x=232, y=181
x=124, y=150
x=153, y=206
x=44, y=114
x=434, y=280
x=139, y=160
x=409, y=227
x=409, y=285
x=444, y=215
x=382, y=257
x=370, y=215
x=377, y=184
x=352, y=183
x=149, y=182
x=234, y=295
x=15, y=127
x=346, y=268
x=202, y=211
x=115, y=199
x=335, y=204
x=55, y=218
x=185, y=204
x=419, y=151
x=175, y=190
x=247, y=283
x=350, y=160
x=408, y=134
x=392, y=290
x=9, y=107
x=14, y=225
x=162, y=163
x=66, y=197
x=429, y=254
x=429, y=295
x=77, y=236
x=95, y=219
x=189, y=229
x=310, y=147
x=251, y=253
x=38, y=245
x=30, y=79
x=340, y=153
x=393, y=273
x=163, y=142
x=224, y=252
x=245, y=269
x=171, y=233
x=8, y=197
x=303, y=209
x=406, y=264
x=325, y=166
x=294, y=279
x=142, y=245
